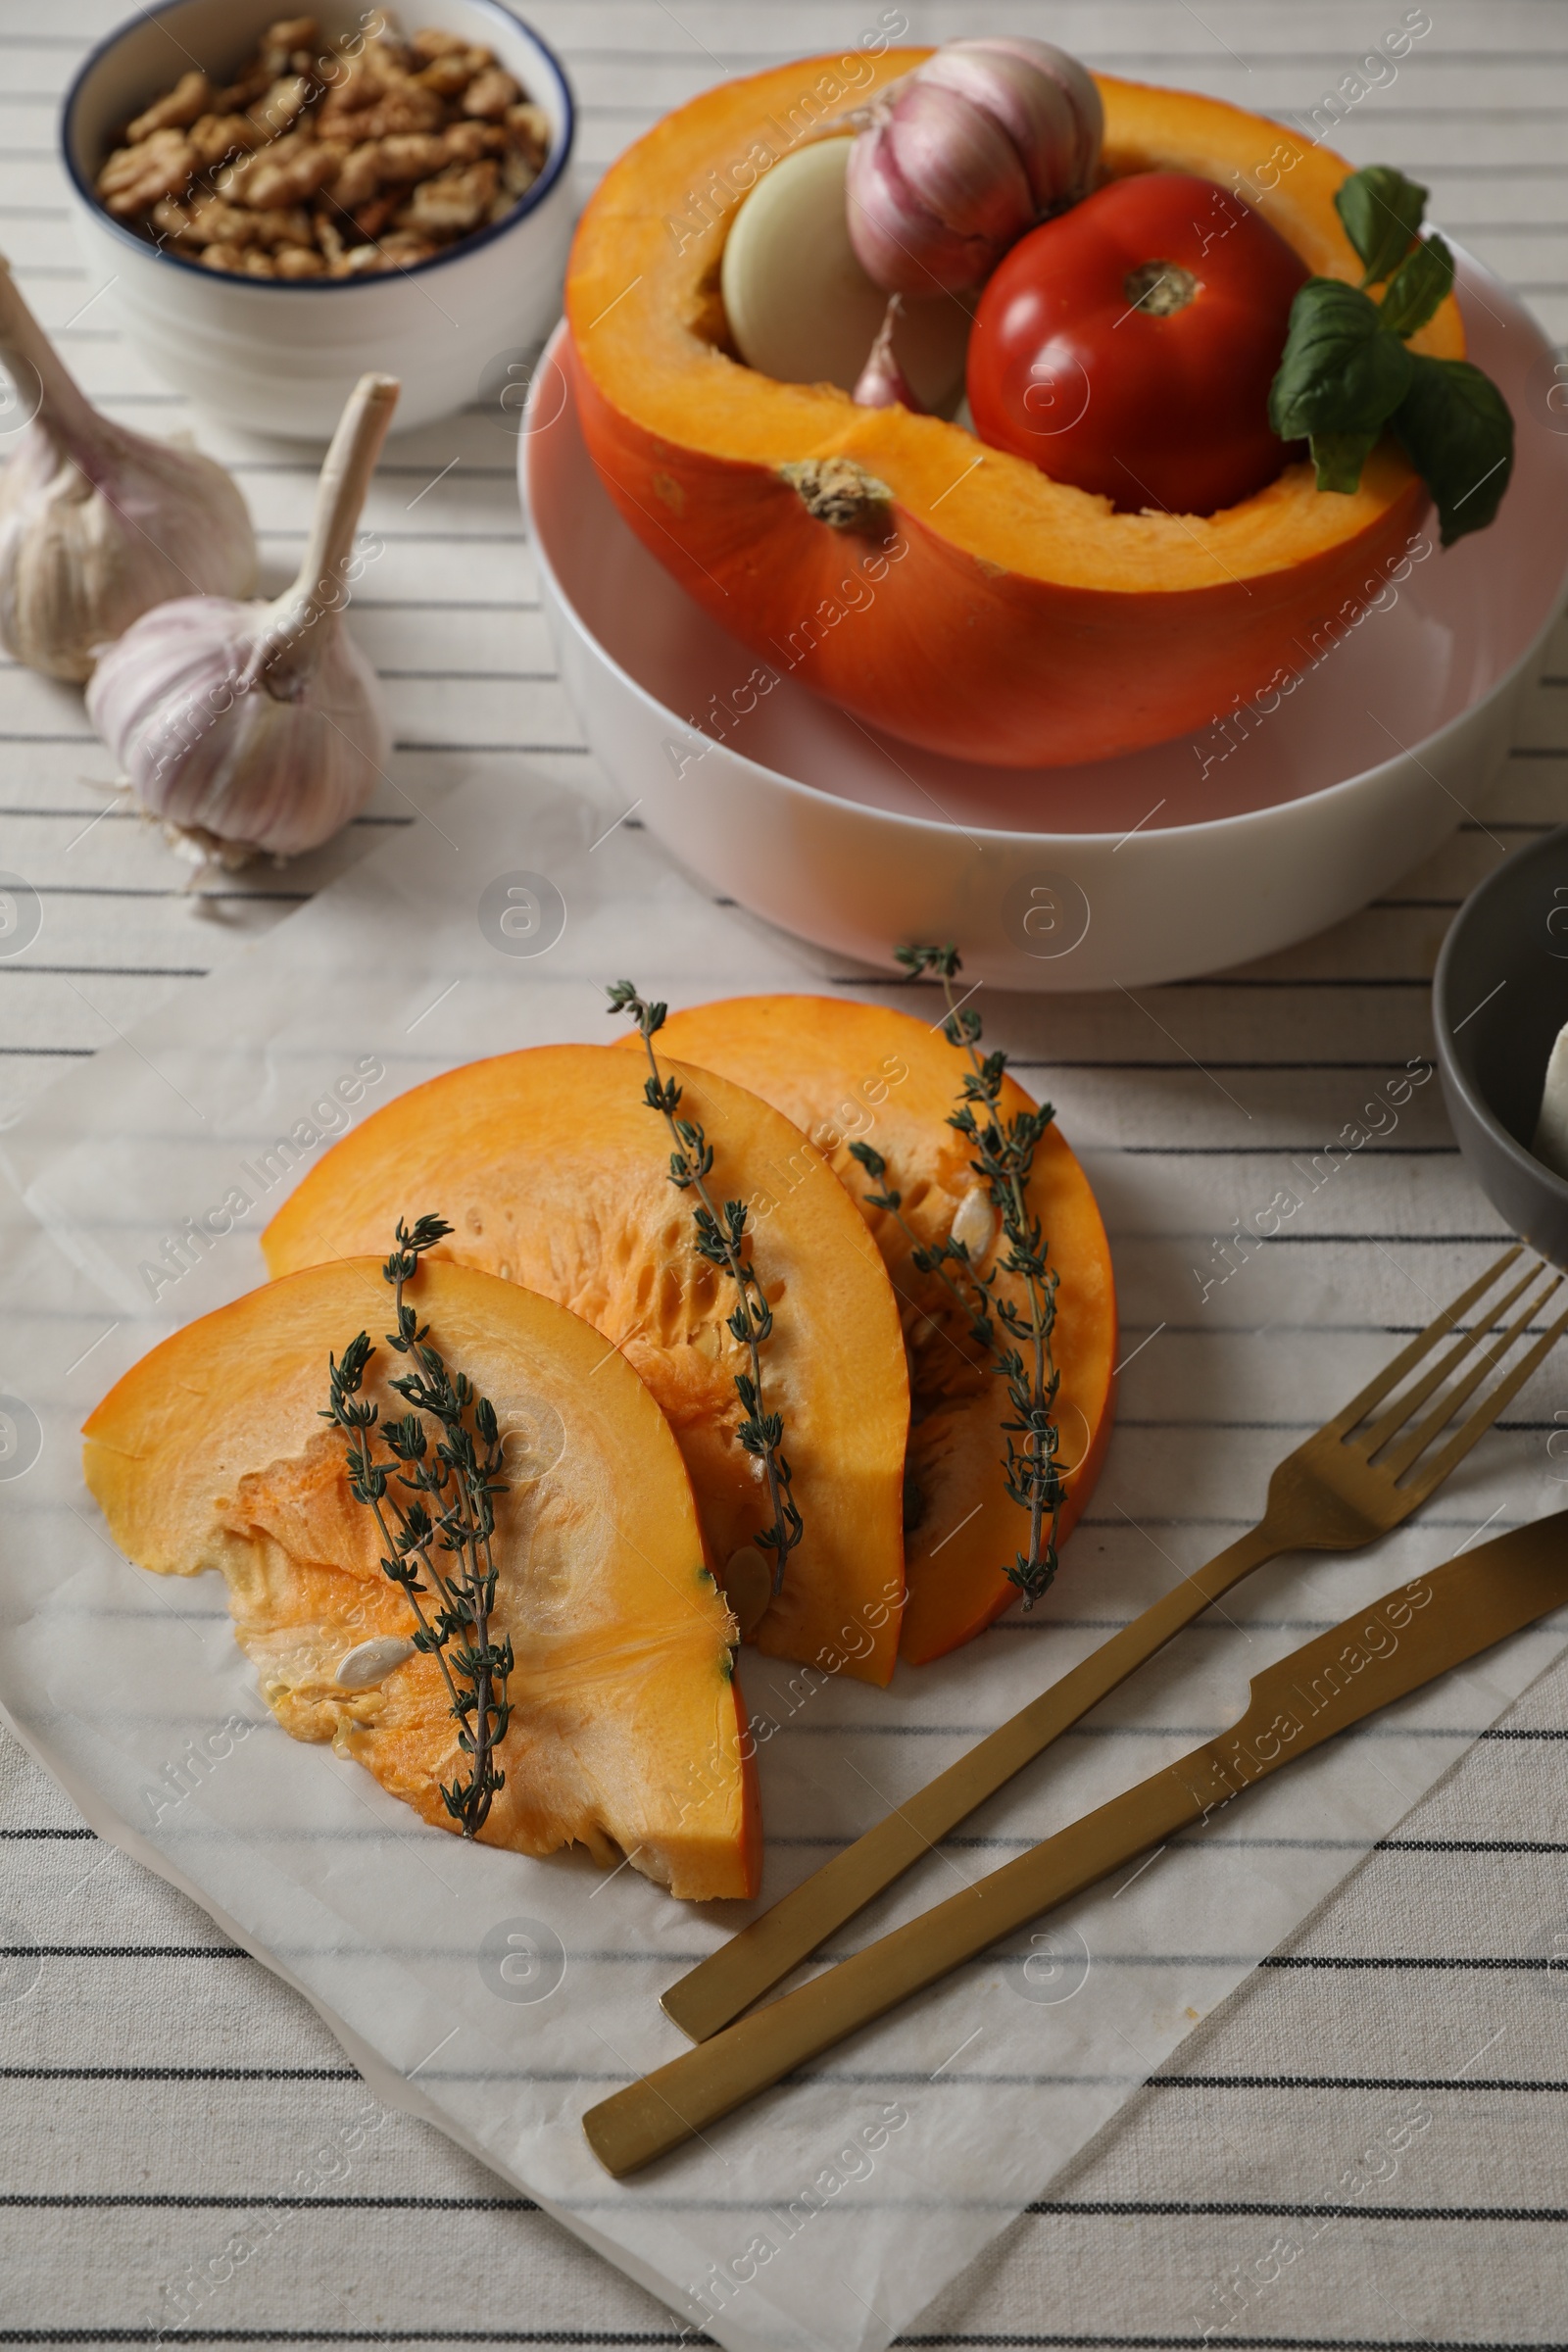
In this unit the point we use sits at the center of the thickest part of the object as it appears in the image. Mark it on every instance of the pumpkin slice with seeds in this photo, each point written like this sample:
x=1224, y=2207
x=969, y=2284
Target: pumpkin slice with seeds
x=553, y=1173
x=848, y=1072
x=627, y=1731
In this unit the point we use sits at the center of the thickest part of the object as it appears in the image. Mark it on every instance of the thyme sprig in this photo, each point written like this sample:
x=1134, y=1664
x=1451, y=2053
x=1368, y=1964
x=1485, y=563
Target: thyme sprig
x=1017, y=1337
x=721, y=1239
x=453, y=1483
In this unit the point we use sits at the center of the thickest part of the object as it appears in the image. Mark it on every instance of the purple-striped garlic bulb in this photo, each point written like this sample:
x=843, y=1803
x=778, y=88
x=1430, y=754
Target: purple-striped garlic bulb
x=965, y=154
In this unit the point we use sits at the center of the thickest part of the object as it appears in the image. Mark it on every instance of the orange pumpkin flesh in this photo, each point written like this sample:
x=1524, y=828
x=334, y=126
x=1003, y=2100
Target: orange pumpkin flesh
x=846, y=1072
x=984, y=611
x=627, y=1734
x=555, y=1174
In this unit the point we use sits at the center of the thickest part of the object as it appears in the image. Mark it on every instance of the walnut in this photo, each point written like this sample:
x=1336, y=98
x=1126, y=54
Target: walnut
x=406, y=108
x=191, y=96
x=528, y=127
x=300, y=261
x=414, y=155
x=466, y=142
x=285, y=172
x=359, y=178
x=287, y=224
x=224, y=257
x=490, y=94
x=243, y=91
x=450, y=76
x=218, y=137
x=135, y=177
x=282, y=106
x=370, y=219
x=170, y=220
x=432, y=42
x=283, y=42
x=256, y=264
x=452, y=204
x=519, y=172
x=215, y=222
x=400, y=252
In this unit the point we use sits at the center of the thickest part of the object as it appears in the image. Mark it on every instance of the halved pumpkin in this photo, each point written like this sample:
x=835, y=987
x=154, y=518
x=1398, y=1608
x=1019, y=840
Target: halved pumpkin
x=848, y=1072
x=627, y=1734
x=950, y=593
x=554, y=1173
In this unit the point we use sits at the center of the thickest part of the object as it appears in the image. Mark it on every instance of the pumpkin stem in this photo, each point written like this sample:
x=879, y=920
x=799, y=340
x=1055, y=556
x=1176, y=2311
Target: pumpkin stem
x=841, y=493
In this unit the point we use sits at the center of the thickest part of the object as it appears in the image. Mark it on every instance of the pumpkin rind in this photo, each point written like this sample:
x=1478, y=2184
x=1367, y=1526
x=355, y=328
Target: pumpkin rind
x=1003, y=618
x=627, y=1736
x=553, y=1173
x=846, y=1071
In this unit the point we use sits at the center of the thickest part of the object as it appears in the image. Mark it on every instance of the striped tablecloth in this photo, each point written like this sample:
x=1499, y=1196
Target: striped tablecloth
x=1365, y=2146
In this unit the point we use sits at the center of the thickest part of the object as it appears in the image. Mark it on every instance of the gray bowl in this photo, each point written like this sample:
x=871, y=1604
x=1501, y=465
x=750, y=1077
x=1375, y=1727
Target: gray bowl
x=1500, y=996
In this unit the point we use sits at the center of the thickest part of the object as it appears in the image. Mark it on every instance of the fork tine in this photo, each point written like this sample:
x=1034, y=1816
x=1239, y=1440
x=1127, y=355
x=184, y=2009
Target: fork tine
x=1432, y=1474
x=1372, y=1440
x=1397, y=1462
x=1408, y=1357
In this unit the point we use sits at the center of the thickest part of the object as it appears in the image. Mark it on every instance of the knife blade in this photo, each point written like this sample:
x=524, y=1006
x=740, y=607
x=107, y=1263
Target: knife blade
x=1376, y=1655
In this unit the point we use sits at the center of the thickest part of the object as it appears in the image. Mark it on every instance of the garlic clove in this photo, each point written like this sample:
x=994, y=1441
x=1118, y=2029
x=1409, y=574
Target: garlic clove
x=1044, y=99
x=902, y=244
x=959, y=163
x=98, y=524
x=882, y=383
x=257, y=726
x=964, y=155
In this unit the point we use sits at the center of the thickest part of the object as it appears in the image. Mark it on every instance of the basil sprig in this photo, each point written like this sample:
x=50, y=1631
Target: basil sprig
x=1347, y=376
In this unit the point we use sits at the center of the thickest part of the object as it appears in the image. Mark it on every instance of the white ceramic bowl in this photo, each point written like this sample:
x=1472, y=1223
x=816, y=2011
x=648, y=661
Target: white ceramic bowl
x=284, y=357
x=1174, y=861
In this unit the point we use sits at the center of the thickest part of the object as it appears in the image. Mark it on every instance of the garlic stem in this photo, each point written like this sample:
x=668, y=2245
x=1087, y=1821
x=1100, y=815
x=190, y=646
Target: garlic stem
x=38, y=372
x=345, y=477
x=346, y=472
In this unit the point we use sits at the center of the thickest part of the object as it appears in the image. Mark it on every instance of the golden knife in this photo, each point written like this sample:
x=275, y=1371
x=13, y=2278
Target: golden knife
x=1376, y=1655
x=1363, y=1473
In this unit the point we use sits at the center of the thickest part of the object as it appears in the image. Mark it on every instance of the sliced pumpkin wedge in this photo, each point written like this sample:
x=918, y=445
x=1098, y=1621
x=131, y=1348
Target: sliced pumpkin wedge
x=627, y=1734
x=555, y=1174
x=848, y=1072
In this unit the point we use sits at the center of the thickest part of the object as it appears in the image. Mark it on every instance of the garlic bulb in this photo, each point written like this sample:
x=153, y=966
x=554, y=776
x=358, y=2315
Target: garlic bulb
x=98, y=524
x=964, y=155
x=257, y=726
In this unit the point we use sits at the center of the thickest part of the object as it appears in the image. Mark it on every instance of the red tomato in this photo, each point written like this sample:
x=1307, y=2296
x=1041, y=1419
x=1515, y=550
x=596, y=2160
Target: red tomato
x=1128, y=345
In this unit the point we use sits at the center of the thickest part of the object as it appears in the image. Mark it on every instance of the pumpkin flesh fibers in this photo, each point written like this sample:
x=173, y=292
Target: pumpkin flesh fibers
x=553, y=1173
x=846, y=1072
x=987, y=613
x=627, y=1733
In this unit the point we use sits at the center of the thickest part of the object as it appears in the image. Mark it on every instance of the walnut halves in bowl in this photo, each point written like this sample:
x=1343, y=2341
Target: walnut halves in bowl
x=329, y=161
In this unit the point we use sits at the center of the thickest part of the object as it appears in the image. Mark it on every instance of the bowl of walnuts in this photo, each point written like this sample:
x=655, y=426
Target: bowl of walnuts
x=282, y=203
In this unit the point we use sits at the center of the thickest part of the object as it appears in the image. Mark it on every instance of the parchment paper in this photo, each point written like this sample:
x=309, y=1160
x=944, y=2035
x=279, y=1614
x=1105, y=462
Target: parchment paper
x=500, y=1996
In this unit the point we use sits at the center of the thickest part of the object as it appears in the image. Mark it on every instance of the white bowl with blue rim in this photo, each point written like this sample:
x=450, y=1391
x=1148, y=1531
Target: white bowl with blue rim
x=282, y=357
x=1208, y=851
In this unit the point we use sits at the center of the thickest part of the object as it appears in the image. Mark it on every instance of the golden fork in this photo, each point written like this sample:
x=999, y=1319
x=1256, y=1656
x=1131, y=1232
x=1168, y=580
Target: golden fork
x=1351, y=1481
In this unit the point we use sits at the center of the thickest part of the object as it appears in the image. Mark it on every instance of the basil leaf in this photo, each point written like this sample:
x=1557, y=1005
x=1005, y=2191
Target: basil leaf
x=1339, y=375
x=1458, y=432
x=1381, y=212
x=1423, y=280
x=1340, y=458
